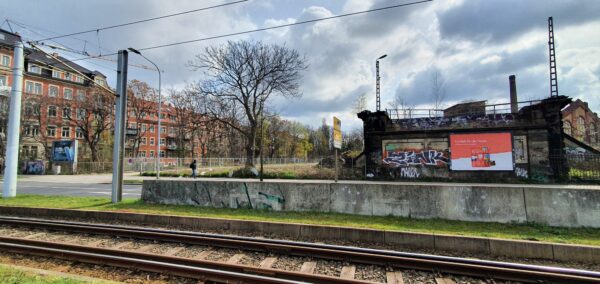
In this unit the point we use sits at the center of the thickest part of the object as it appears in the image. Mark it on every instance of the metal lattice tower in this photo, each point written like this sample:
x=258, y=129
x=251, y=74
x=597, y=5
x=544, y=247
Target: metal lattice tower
x=377, y=86
x=553, y=76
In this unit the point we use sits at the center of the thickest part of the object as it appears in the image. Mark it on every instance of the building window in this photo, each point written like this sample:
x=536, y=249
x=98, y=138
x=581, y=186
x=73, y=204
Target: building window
x=593, y=134
x=568, y=128
x=151, y=128
x=162, y=154
x=78, y=133
x=79, y=79
x=143, y=128
x=66, y=112
x=52, y=91
x=5, y=61
x=68, y=94
x=33, y=88
x=81, y=114
x=33, y=153
x=66, y=132
x=580, y=127
x=34, y=69
x=51, y=131
x=151, y=154
x=51, y=111
x=56, y=74
x=3, y=80
x=143, y=141
x=68, y=76
x=31, y=130
x=162, y=141
x=100, y=81
x=163, y=130
x=151, y=141
x=80, y=95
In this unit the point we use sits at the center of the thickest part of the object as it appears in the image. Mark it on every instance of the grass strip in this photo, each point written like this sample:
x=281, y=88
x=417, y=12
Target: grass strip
x=16, y=275
x=533, y=232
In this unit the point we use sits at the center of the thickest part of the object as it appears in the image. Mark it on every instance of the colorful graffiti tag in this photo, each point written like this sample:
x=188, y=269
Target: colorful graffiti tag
x=403, y=158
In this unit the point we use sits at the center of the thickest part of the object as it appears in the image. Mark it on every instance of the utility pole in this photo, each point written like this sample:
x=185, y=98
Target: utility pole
x=14, y=125
x=120, y=120
x=552, y=54
x=377, y=79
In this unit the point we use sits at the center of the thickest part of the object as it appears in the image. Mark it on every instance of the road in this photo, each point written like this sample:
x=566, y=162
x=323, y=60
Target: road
x=75, y=189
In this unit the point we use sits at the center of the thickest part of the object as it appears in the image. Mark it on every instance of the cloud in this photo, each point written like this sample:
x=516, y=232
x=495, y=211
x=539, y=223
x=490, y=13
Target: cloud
x=475, y=45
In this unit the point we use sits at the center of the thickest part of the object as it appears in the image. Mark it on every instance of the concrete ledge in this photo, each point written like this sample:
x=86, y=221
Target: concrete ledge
x=525, y=249
x=411, y=240
x=483, y=246
x=459, y=243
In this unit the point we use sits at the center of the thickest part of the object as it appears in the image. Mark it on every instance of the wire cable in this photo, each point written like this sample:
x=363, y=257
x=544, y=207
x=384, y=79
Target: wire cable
x=146, y=20
x=263, y=29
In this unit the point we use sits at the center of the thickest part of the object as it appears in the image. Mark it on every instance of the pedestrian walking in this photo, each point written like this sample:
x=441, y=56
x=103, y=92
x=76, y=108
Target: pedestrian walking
x=193, y=167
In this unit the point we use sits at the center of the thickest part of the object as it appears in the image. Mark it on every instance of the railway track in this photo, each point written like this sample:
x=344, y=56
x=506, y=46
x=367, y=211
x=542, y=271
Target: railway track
x=231, y=270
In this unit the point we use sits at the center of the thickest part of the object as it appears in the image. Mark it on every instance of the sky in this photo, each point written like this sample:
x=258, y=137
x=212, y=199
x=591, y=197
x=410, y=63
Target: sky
x=473, y=46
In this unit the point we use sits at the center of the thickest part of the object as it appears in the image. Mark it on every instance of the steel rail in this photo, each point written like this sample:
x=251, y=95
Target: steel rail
x=463, y=266
x=179, y=266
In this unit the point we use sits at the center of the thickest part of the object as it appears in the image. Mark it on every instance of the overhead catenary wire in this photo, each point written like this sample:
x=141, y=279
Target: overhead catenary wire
x=75, y=70
x=263, y=29
x=146, y=20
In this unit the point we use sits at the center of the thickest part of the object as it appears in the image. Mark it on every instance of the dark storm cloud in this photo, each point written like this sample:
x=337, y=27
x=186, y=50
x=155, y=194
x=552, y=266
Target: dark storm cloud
x=502, y=20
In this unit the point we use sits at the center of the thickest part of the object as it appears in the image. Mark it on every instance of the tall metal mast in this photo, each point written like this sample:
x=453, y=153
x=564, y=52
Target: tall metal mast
x=553, y=76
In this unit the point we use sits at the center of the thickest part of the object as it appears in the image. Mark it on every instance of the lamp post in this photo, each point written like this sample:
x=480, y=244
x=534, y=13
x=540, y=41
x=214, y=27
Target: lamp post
x=377, y=78
x=159, y=110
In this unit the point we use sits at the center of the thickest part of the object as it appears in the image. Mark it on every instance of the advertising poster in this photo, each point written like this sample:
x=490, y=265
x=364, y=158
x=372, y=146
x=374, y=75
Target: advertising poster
x=481, y=152
x=64, y=151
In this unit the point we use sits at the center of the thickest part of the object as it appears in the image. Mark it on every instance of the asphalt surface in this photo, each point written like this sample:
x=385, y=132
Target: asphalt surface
x=75, y=189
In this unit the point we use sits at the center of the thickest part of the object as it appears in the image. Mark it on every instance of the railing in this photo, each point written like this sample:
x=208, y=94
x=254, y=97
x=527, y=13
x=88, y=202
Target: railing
x=490, y=109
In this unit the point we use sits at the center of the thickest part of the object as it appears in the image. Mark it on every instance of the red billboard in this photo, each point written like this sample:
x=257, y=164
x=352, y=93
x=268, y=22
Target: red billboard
x=481, y=152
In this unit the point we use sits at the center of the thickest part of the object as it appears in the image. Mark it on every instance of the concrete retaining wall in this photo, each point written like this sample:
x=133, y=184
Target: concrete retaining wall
x=434, y=242
x=565, y=206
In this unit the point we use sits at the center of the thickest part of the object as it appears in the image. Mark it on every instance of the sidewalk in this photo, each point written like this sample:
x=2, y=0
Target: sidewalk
x=107, y=179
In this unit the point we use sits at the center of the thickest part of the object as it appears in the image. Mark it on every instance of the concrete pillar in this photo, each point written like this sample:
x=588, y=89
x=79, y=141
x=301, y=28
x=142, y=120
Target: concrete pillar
x=514, y=106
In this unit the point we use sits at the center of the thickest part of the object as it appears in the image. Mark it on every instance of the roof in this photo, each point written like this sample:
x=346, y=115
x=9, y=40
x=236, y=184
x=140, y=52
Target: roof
x=8, y=38
x=33, y=55
x=579, y=103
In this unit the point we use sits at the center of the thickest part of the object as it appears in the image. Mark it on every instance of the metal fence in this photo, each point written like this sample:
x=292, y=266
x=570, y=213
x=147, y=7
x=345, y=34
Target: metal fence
x=180, y=164
x=578, y=167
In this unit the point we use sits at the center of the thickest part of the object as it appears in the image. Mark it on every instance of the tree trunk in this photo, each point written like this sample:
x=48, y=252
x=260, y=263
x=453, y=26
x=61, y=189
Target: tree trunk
x=94, y=152
x=250, y=149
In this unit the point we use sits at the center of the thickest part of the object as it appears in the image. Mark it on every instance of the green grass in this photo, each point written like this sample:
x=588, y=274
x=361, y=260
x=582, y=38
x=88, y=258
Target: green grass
x=587, y=236
x=132, y=181
x=11, y=275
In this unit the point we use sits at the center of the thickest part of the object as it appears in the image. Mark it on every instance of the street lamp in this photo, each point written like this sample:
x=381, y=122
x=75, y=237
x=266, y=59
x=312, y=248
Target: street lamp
x=159, y=110
x=377, y=78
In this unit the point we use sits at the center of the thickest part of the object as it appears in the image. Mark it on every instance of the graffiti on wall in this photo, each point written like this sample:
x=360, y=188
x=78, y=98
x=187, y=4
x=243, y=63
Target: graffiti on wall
x=33, y=168
x=415, y=152
x=521, y=172
x=412, y=158
x=410, y=172
x=458, y=121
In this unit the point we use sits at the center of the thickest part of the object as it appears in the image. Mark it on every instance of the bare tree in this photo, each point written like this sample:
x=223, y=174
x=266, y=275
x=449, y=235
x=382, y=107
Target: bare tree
x=38, y=113
x=360, y=104
x=438, y=90
x=92, y=116
x=142, y=100
x=401, y=106
x=243, y=76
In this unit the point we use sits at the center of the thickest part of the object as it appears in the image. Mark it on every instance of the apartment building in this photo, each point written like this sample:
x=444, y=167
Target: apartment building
x=51, y=91
x=176, y=141
x=581, y=123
